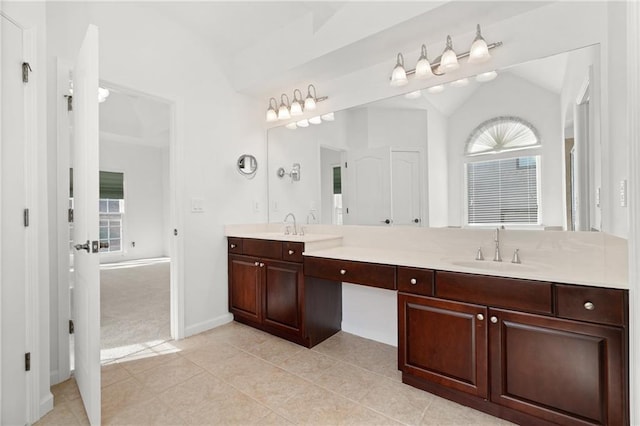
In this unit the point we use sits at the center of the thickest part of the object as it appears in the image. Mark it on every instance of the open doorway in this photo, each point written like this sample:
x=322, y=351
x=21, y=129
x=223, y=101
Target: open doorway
x=135, y=264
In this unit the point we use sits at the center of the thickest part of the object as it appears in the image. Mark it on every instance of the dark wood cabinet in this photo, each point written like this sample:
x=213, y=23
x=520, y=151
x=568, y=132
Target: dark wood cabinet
x=529, y=366
x=565, y=372
x=267, y=290
x=444, y=342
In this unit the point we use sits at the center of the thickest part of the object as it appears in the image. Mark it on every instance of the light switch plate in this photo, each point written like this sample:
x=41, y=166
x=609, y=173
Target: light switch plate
x=197, y=205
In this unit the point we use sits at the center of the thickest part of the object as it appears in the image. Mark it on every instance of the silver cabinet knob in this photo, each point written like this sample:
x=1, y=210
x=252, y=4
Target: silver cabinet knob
x=261, y=265
x=589, y=306
x=291, y=252
x=480, y=317
x=413, y=281
x=233, y=246
x=256, y=263
x=343, y=271
x=494, y=320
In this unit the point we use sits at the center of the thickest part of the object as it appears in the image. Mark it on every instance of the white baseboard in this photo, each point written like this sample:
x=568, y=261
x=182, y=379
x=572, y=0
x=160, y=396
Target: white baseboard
x=190, y=330
x=46, y=404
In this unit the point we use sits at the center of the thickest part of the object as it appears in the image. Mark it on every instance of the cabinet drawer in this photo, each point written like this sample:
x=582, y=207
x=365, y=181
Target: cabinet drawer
x=234, y=245
x=602, y=305
x=512, y=293
x=371, y=274
x=262, y=248
x=415, y=280
x=292, y=252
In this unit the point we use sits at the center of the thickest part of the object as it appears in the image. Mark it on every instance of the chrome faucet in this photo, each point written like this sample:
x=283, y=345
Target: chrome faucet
x=295, y=228
x=313, y=217
x=496, y=256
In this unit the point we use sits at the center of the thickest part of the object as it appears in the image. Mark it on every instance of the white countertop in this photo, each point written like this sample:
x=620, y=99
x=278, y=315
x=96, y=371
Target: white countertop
x=592, y=259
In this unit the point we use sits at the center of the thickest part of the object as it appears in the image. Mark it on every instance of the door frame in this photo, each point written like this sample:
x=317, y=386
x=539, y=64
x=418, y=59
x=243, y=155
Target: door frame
x=34, y=332
x=176, y=243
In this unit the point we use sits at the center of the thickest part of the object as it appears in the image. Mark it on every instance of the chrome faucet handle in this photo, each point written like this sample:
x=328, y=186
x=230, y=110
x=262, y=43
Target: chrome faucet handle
x=287, y=230
x=516, y=256
x=479, y=255
x=301, y=233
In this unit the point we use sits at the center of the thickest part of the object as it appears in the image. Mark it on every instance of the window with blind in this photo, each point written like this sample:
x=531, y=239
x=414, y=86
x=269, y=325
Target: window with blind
x=111, y=211
x=505, y=190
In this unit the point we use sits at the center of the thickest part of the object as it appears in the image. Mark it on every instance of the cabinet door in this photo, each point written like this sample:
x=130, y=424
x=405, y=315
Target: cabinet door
x=443, y=342
x=563, y=371
x=283, y=296
x=244, y=287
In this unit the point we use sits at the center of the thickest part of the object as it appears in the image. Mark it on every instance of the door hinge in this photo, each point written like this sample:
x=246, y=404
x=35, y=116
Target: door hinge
x=26, y=68
x=347, y=210
x=69, y=102
x=27, y=361
x=71, y=327
x=70, y=215
x=345, y=164
x=25, y=216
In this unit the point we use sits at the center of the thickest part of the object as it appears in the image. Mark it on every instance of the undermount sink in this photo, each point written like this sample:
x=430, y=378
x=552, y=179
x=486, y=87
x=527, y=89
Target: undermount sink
x=489, y=265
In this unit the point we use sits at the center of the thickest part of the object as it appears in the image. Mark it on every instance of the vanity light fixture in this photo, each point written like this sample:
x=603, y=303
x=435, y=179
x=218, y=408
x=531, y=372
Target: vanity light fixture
x=272, y=115
x=436, y=89
x=296, y=108
x=447, y=62
x=328, y=116
x=291, y=126
x=315, y=120
x=302, y=123
x=413, y=95
x=296, y=105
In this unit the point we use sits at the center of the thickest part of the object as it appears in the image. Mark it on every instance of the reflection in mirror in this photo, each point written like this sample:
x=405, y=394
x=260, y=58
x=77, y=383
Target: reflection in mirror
x=406, y=160
x=247, y=165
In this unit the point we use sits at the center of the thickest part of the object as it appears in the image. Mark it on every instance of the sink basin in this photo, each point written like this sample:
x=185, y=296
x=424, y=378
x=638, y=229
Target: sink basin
x=489, y=265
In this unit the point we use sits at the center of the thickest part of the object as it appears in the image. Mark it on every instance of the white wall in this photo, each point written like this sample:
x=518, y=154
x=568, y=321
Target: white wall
x=145, y=191
x=513, y=96
x=213, y=126
x=437, y=169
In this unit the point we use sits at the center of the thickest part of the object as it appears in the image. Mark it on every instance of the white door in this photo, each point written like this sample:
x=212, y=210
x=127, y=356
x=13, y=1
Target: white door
x=13, y=394
x=369, y=188
x=86, y=292
x=406, y=188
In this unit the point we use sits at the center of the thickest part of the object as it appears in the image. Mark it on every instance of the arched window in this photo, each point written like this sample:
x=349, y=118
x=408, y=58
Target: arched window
x=501, y=134
x=503, y=190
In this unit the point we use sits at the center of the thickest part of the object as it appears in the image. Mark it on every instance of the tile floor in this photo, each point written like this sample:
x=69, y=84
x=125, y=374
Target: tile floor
x=236, y=375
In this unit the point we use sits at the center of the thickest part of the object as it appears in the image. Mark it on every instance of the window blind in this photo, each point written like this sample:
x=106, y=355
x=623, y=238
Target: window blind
x=503, y=191
x=337, y=180
x=112, y=185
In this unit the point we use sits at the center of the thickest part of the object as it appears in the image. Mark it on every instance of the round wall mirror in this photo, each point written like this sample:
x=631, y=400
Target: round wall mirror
x=247, y=165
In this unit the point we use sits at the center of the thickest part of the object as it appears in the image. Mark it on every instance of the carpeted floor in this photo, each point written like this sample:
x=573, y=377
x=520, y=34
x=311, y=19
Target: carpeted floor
x=134, y=306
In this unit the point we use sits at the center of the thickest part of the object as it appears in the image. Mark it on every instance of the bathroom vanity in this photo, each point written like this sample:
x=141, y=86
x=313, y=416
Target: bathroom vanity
x=533, y=351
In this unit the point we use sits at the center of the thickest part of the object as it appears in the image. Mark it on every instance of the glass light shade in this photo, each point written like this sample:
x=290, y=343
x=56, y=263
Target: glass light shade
x=399, y=75
x=296, y=108
x=436, y=89
x=449, y=59
x=479, y=51
x=272, y=115
x=486, y=76
x=283, y=112
x=460, y=83
x=423, y=67
x=103, y=94
x=413, y=95
x=303, y=123
x=315, y=120
x=309, y=103
x=328, y=116
x=291, y=126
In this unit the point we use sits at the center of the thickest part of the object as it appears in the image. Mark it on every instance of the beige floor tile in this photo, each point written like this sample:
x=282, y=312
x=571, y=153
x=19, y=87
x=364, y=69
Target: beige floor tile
x=61, y=415
x=316, y=406
x=398, y=401
x=77, y=408
x=272, y=387
x=209, y=356
x=348, y=380
x=147, y=362
x=198, y=389
x=122, y=395
x=235, y=409
x=65, y=391
x=444, y=412
x=151, y=412
x=273, y=419
x=113, y=373
x=308, y=364
x=168, y=374
x=274, y=350
x=241, y=364
x=365, y=417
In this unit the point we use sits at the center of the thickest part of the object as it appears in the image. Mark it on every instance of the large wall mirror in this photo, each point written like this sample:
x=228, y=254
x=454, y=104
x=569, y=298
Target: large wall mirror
x=519, y=147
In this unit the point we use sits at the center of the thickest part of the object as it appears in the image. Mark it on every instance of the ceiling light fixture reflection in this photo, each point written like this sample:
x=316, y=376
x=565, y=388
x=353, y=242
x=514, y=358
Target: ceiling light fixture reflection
x=303, y=123
x=413, y=95
x=291, y=126
x=315, y=120
x=447, y=62
x=436, y=89
x=328, y=116
x=460, y=83
x=296, y=108
x=486, y=76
